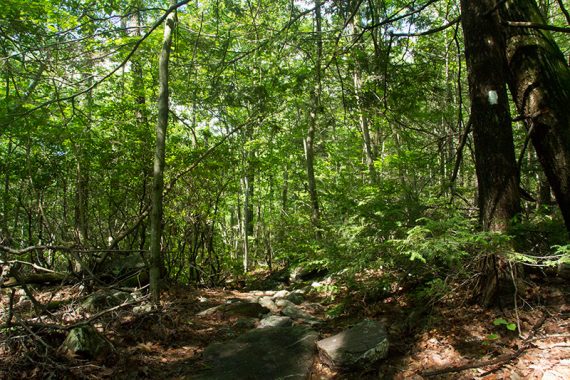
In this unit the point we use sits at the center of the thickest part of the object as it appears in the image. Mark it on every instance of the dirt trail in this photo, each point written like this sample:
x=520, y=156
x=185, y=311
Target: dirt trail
x=451, y=335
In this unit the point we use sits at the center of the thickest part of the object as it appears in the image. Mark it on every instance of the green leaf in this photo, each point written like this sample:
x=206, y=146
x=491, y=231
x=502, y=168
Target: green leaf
x=493, y=336
x=511, y=327
x=499, y=322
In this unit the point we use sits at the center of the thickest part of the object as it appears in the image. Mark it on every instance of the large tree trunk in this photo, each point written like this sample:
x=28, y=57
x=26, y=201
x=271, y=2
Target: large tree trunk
x=158, y=172
x=539, y=80
x=495, y=162
x=494, y=148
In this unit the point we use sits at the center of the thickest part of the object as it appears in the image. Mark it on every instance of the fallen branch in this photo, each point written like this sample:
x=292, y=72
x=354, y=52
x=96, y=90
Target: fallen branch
x=498, y=362
x=84, y=322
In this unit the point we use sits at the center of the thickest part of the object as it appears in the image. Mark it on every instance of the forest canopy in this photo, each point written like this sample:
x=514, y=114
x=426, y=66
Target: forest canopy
x=207, y=140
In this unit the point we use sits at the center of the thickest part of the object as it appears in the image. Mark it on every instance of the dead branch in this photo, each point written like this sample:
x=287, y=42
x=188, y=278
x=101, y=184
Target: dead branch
x=84, y=322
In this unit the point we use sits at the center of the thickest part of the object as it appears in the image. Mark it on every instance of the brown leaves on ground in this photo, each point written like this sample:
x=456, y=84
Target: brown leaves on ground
x=169, y=344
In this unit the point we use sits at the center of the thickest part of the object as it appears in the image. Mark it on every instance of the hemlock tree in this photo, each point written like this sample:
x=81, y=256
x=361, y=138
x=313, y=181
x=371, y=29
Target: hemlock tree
x=539, y=80
x=495, y=162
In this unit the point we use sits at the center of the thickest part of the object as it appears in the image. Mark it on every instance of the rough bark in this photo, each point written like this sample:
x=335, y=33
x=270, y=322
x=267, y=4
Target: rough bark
x=539, y=81
x=159, y=157
x=495, y=161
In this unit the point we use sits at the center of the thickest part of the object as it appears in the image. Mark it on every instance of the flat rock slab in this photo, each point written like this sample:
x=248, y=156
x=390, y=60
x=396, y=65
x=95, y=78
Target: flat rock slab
x=275, y=321
x=356, y=347
x=261, y=354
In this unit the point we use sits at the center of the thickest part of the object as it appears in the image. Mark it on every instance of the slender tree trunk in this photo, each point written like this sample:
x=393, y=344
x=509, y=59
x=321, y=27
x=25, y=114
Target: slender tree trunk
x=495, y=162
x=539, y=80
x=313, y=122
x=363, y=119
x=159, y=157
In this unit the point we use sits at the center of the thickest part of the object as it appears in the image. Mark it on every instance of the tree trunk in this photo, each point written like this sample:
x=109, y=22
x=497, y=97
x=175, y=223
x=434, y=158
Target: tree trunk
x=159, y=156
x=313, y=121
x=539, y=80
x=495, y=162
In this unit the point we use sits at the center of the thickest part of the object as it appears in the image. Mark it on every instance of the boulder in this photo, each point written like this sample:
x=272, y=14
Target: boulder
x=268, y=303
x=357, y=347
x=260, y=354
x=294, y=312
x=236, y=309
x=301, y=274
x=245, y=309
x=275, y=321
x=86, y=342
x=296, y=297
x=104, y=299
x=281, y=294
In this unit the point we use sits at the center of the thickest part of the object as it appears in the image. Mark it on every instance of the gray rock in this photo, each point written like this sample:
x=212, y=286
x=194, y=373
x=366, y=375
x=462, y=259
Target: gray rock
x=86, y=342
x=281, y=294
x=210, y=311
x=300, y=274
x=261, y=354
x=245, y=323
x=283, y=303
x=245, y=309
x=236, y=309
x=357, y=347
x=268, y=303
x=104, y=299
x=275, y=321
x=296, y=298
x=292, y=311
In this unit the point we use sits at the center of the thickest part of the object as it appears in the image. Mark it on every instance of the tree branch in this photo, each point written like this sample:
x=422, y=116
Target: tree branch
x=535, y=25
x=117, y=68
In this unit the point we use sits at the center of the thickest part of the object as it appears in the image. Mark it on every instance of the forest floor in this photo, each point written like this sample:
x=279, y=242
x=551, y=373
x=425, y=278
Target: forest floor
x=449, y=340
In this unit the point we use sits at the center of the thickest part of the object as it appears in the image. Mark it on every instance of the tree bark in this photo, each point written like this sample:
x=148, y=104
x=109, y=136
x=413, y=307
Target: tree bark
x=539, y=81
x=159, y=157
x=313, y=121
x=495, y=162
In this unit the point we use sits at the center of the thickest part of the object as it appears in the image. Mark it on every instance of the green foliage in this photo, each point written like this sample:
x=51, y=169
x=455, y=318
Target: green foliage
x=508, y=325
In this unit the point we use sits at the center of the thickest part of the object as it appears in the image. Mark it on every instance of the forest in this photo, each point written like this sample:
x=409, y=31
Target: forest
x=270, y=189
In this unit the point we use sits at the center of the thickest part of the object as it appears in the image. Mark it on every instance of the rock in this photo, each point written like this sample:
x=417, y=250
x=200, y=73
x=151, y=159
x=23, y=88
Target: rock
x=275, y=321
x=210, y=311
x=236, y=309
x=358, y=346
x=281, y=294
x=283, y=303
x=260, y=354
x=104, y=299
x=296, y=297
x=86, y=342
x=268, y=303
x=245, y=309
x=294, y=312
x=245, y=323
x=300, y=274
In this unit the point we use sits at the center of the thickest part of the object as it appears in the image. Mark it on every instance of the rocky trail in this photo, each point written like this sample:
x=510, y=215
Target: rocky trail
x=287, y=334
